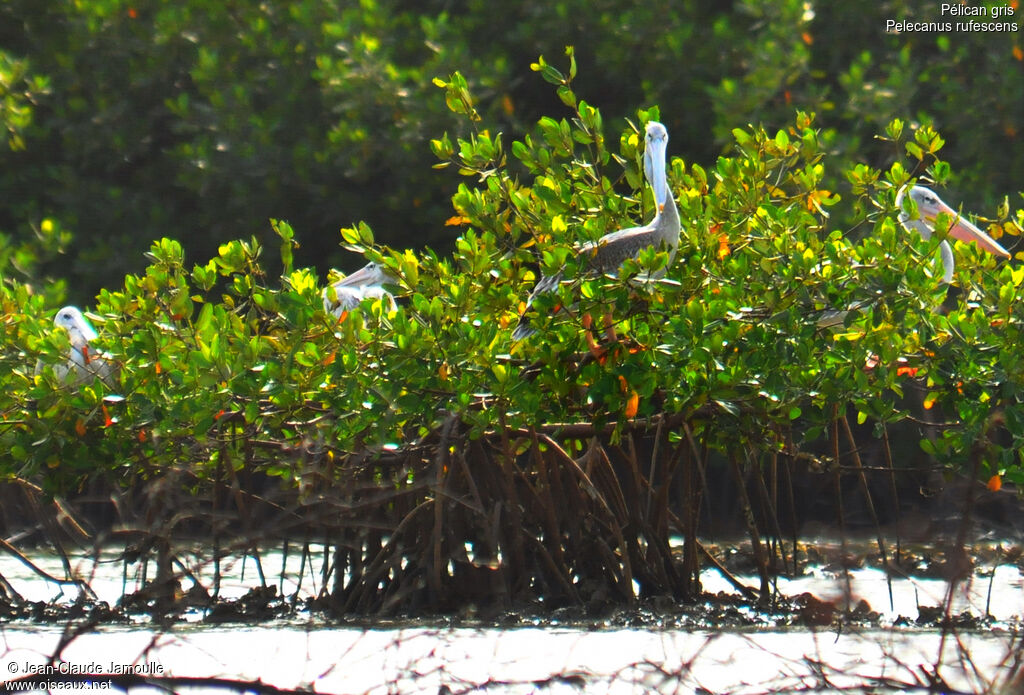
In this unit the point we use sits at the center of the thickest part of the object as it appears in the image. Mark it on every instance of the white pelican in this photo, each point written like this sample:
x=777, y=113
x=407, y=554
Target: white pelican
x=86, y=364
x=347, y=293
x=929, y=206
x=608, y=253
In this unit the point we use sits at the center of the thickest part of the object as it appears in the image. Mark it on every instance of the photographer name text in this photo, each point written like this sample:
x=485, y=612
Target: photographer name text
x=65, y=668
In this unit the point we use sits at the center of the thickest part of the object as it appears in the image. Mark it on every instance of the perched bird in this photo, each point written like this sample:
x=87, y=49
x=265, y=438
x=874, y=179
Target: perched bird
x=929, y=206
x=83, y=362
x=347, y=293
x=609, y=252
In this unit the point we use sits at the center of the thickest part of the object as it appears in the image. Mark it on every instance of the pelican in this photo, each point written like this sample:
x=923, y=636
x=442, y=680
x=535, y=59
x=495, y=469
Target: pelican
x=929, y=206
x=86, y=365
x=609, y=252
x=347, y=293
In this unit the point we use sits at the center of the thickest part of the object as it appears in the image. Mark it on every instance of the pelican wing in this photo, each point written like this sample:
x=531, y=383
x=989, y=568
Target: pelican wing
x=339, y=299
x=89, y=367
x=606, y=255
x=610, y=251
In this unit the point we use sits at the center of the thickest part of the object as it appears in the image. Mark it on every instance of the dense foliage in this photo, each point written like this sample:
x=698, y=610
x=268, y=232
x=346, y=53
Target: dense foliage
x=223, y=363
x=127, y=121
x=441, y=463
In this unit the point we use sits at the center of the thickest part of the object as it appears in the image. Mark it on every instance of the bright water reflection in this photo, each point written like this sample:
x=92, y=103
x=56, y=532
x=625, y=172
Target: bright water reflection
x=997, y=593
x=417, y=659
x=527, y=659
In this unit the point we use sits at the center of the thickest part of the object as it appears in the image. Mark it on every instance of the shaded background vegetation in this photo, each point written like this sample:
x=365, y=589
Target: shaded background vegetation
x=126, y=121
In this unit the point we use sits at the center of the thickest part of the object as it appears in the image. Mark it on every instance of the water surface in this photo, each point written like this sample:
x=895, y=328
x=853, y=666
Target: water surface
x=596, y=658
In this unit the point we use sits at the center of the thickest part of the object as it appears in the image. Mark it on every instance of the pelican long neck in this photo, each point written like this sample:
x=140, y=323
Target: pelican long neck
x=666, y=221
x=79, y=344
x=666, y=226
x=948, y=264
x=900, y=195
x=77, y=338
x=922, y=228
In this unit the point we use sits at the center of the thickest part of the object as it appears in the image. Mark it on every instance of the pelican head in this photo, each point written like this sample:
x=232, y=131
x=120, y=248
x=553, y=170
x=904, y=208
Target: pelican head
x=369, y=275
x=347, y=293
x=655, y=149
x=80, y=331
x=929, y=206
